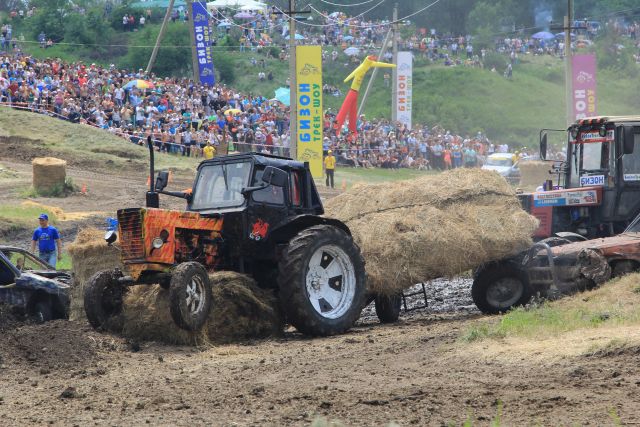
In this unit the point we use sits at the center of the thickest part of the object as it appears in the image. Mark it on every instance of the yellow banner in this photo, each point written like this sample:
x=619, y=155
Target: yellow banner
x=309, y=117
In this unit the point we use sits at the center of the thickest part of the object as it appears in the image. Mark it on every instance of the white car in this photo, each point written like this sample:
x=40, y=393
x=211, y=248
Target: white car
x=506, y=164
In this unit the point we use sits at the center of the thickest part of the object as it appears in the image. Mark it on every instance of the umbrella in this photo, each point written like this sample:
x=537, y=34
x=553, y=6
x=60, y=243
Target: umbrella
x=297, y=37
x=283, y=95
x=562, y=34
x=352, y=51
x=224, y=24
x=233, y=111
x=243, y=15
x=543, y=35
x=140, y=84
x=347, y=38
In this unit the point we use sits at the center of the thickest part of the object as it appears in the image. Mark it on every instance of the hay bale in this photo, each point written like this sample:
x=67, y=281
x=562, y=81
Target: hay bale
x=434, y=226
x=240, y=310
x=89, y=254
x=48, y=172
x=534, y=173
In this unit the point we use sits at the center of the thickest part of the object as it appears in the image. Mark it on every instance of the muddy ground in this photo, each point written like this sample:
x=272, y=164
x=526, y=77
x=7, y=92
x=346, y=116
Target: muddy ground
x=416, y=372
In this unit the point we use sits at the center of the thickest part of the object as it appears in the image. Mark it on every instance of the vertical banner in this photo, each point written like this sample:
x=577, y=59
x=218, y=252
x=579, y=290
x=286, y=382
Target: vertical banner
x=404, y=88
x=202, y=33
x=584, y=86
x=309, y=103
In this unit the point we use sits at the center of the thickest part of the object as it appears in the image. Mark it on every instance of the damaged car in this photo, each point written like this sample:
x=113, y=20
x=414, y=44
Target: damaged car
x=31, y=287
x=555, y=267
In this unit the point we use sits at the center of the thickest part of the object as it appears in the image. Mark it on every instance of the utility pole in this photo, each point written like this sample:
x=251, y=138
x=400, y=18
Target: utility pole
x=394, y=74
x=293, y=87
x=152, y=60
x=568, y=65
x=194, y=57
x=383, y=50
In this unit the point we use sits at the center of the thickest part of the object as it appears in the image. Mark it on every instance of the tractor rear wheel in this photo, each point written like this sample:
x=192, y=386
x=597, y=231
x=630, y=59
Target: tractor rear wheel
x=103, y=297
x=498, y=288
x=388, y=307
x=322, y=281
x=190, y=296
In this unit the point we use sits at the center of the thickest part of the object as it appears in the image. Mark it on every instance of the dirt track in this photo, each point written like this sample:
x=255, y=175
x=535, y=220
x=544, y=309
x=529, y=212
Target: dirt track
x=417, y=372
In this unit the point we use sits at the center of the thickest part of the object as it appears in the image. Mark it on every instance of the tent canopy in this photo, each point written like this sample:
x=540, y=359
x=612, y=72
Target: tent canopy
x=157, y=3
x=251, y=4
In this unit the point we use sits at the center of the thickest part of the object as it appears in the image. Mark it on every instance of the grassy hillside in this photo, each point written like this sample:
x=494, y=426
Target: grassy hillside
x=31, y=135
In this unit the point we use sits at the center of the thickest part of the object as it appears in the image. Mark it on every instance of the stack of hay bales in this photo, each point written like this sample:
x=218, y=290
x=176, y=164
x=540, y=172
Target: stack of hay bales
x=534, y=173
x=240, y=310
x=89, y=254
x=48, y=173
x=433, y=226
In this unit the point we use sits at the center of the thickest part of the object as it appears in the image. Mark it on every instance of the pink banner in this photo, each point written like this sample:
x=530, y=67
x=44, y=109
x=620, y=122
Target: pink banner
x=584, y=86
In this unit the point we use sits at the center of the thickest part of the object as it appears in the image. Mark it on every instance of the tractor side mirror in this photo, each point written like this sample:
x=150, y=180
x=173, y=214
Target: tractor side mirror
x=275, y=176
x=628, y=142
x=543, y=146
x=162, y=180
x=110, y=237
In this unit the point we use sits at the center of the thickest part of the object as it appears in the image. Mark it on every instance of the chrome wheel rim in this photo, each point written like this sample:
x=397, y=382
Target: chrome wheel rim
x=194, y=295
x=331, y=282
x=505, y=292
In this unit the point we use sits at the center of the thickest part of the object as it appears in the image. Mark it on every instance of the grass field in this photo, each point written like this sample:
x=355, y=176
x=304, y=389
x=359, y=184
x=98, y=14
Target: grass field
x=613, y=306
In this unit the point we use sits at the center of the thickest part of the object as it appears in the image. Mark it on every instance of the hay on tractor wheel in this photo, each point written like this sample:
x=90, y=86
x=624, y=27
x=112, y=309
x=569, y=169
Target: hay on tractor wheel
x=89, y=254
x=534, y=173
x=434, y=226
x=240, y=310
x=48, y=172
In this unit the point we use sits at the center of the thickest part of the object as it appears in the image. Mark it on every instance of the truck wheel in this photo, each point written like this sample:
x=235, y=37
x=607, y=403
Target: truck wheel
x=498, y=288
x=103, y=297
x=322, y=281
x=42, y=311
x=388, y=307
x=190, y=296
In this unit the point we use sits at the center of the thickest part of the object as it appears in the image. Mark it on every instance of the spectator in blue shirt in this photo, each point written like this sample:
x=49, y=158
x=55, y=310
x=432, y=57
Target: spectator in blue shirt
x=48, y=241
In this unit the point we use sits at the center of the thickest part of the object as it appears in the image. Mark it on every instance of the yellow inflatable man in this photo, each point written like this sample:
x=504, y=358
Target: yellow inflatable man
x=350, y=104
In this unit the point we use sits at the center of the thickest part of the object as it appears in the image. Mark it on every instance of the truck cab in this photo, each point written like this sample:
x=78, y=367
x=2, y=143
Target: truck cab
x=597, y=188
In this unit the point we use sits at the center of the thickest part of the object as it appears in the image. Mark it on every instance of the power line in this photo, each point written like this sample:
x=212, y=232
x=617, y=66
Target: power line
x=346, y=5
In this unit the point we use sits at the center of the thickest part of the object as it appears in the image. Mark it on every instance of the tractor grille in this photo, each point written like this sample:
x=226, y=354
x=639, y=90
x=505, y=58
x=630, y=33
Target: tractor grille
x=131, y=241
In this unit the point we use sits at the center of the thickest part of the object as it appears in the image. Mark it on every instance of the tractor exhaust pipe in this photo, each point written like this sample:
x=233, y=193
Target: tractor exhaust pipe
x=153, y=198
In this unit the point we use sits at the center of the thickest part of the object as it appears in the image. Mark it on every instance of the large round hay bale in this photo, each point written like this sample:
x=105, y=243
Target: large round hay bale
x=48, y=172
x=430, y=227
x=533, y=174
x=89, y=254
x=240, y=310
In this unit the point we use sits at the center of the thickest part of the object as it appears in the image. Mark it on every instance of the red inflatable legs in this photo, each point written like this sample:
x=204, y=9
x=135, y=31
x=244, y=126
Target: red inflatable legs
x=350, y=107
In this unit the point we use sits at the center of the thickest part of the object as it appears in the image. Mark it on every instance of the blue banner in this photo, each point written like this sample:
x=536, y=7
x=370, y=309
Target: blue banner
x=202, y=33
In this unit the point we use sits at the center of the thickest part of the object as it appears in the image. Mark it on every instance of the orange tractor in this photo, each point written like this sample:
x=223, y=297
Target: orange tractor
x=256, y=214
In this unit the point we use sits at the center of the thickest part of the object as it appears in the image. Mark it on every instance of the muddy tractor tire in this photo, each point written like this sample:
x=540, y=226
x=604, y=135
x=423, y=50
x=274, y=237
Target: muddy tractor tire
x=322, y=281
x=103, y=297
x=497, y=288
x=190, y=296
x=388, y=307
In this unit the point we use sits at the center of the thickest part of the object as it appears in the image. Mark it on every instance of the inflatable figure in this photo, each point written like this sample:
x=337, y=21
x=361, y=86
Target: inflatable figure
x=350, y=104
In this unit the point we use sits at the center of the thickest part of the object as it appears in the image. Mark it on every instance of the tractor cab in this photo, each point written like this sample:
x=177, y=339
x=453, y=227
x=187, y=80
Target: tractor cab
x=597, y=189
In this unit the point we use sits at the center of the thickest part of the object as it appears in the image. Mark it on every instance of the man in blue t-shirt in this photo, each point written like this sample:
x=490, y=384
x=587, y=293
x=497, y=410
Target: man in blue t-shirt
x=48, y=241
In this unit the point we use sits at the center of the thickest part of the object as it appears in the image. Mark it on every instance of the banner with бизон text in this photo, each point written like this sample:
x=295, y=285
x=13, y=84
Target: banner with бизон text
x=202, y=33
x=309, y=104
x=584, y=86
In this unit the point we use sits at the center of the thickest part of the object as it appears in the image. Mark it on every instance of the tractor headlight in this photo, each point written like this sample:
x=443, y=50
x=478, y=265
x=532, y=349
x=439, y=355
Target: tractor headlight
x=157, y=243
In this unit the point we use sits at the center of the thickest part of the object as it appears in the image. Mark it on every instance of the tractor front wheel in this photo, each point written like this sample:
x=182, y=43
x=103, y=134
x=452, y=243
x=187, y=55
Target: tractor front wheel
x=322, y=281
x=103, y=297
x=190, y=296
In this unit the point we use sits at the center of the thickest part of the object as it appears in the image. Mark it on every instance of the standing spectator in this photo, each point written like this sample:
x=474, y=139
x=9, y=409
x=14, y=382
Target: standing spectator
x=48, y=240
x=329, y=167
